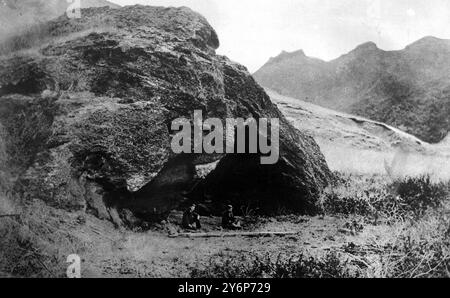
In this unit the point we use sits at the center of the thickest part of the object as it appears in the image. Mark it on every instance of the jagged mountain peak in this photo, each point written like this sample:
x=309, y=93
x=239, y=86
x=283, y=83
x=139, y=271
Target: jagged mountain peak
x=406, y=88
x=429, y=40
x=293, y=54
x=365, y=50
x=429, y=43
x=367, y=46
x=284, y=55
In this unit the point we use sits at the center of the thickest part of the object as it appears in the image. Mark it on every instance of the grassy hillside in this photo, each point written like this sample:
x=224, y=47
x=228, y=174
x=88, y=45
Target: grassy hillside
x=358, y=145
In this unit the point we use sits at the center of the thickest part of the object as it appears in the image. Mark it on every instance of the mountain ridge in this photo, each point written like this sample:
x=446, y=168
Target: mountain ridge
x=368, y=44
x=406, y=88
x=357, y=144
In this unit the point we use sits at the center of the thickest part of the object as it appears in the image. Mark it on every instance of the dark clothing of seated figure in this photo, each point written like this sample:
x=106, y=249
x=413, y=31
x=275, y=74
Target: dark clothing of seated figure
x=229, y=221
x=191, y=220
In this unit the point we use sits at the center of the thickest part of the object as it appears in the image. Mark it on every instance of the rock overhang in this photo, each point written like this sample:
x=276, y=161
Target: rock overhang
x=119, y=88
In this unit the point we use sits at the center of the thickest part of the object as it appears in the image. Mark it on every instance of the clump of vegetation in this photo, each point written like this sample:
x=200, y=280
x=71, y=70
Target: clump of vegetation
x=28, y=128
x=421, y=251
x=418, y=194
x=297, y=266
x=375, y=197
x=32, y=247
x=351, y=195
x=416, y=204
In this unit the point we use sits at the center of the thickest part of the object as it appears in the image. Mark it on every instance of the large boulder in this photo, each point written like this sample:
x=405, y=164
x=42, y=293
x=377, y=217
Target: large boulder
x=87, y=113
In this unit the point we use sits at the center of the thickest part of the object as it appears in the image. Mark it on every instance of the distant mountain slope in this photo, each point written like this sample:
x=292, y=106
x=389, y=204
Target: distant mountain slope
x=339, y=128
x=409, y=89
x=15, y=15
x=354, y=144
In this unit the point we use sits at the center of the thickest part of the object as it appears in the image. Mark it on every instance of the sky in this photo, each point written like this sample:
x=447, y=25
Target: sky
x=252, y=31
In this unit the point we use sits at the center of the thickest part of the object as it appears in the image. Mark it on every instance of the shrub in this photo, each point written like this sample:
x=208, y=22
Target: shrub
x=356, y=195
x=421, y=193
x=374, y=196
x=297, y=266
x=423, y=250
x=419, y=259
x=27, y=124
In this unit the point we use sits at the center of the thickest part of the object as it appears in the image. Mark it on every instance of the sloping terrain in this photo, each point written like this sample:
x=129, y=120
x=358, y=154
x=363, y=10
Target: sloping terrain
x=408, y=89
x=355, y=144
x=327, y=125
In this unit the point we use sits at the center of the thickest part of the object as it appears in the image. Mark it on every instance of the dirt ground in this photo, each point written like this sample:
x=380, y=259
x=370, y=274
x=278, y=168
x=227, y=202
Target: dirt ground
x=155, y=254
x=47, y=236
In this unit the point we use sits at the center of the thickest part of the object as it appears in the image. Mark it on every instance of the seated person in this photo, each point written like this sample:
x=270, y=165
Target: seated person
x=229, y=221
x=191, y=219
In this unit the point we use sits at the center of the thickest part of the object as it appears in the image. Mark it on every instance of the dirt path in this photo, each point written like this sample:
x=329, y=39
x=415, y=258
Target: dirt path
x=155, y=254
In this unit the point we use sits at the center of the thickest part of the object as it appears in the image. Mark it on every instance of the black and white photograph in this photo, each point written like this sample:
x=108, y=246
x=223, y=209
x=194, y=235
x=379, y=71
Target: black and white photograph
x=244, y=140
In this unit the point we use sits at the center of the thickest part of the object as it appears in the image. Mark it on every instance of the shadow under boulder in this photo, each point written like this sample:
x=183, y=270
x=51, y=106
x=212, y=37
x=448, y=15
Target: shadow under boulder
x=241, y=180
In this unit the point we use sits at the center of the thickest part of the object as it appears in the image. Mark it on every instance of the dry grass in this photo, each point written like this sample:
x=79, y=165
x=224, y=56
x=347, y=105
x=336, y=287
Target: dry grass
x=378, y=197
x=395, y=229
x=422, y=250
x=293, y=266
